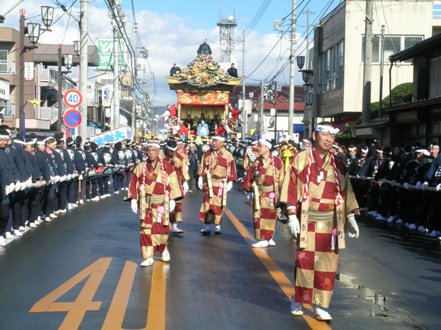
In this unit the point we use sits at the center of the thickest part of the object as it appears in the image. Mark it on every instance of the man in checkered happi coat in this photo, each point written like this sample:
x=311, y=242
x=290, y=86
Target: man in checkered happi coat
x=262, y=182
x=153, y=190
x=317, y=190
x=217, y=172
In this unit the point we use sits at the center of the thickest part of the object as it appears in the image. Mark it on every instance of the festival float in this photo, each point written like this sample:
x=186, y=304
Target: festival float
x=203, y=89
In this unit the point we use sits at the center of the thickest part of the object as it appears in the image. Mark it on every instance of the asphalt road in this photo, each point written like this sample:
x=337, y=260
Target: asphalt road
x=81, y=271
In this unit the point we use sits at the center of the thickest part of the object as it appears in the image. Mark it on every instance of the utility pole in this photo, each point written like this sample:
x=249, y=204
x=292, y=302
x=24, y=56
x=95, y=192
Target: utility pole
x=244, y=112
x=83, y=67
x=116, y=85
x=134, y=77
x=292, y=69
x=60, y=88
x=367, y=68
x=380, y=108
x=310, y=118
x=262, y=104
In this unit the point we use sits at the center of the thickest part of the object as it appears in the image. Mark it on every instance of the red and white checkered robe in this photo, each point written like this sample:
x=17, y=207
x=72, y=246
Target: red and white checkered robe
x=153, y=187
x=267, y=174
x=181, y=168
x=316, y=265
x=220, y=164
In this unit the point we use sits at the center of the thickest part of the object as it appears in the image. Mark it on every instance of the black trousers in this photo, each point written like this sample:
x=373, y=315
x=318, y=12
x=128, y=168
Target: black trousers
x=35, y=203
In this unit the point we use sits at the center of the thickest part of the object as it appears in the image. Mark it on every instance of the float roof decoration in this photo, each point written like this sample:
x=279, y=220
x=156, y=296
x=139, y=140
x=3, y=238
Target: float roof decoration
x=203, y=72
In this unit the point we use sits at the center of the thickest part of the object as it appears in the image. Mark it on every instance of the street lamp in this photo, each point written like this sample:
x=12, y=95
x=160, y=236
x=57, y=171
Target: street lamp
x=32, y=30
x=306, y=76
x=77, y=49
x=68, y=61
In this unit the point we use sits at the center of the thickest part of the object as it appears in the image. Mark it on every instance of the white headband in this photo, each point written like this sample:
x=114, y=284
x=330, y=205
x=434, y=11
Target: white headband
x=265, y=142
x=365, y=150
x=19, y=142
x=31, y=141
x=423, y=151
x=352, y=149
x=379, y=151
x=327, y=128
x=170, y=148
x=4, y=137
x=154, y=145
x=220, y=138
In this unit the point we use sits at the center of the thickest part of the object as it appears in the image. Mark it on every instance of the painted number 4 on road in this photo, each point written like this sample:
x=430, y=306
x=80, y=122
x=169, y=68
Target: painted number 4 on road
x=73, y=98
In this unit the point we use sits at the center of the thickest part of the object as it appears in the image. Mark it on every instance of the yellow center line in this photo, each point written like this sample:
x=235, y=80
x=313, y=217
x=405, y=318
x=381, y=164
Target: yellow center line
x=275, y=271
x=120, y=300
x=156, y=312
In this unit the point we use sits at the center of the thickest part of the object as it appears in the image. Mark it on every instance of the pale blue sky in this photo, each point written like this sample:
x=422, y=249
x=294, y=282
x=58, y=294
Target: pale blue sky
x=172, y=30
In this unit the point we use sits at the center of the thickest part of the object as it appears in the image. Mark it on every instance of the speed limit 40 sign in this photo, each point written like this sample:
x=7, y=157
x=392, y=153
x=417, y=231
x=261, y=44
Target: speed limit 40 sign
x=73, y=98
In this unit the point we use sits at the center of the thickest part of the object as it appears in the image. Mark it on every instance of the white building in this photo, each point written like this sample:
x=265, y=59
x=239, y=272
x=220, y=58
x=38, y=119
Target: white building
x=339, y=52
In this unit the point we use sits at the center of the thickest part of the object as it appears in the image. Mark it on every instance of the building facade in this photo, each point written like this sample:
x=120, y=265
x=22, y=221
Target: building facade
x=339, y=53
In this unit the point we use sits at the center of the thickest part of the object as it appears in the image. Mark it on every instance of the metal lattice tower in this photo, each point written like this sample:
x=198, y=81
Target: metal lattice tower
x=226, y=38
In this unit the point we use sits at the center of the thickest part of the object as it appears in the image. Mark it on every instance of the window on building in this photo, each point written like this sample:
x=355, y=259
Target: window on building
x=392, y=45
x=3, y=61
x=435, y=77
x=331, y=68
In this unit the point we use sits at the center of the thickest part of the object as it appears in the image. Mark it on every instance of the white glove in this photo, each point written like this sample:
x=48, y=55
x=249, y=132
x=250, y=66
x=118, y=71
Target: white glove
x=17, y=186
x=406, y=185
x=250, y=197
x=172, y=205
x=293, y=225
x=29, y=182
x=185, y=187
x=418, y=185
x=438, y=187
x=69, y=177
x=229, y=185
x=57, y=178
x=352, y=227
x=424, y=186
x=200, y=182
x=80, y=177
x=134, y=205
x=9, y=188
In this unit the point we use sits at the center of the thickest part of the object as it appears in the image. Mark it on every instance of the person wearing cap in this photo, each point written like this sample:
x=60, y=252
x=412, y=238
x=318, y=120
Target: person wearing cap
x=72, y=184
x=38, y=182
x=432, y=184
x=153, y=192
x=119, y=162
x=263, y=181
x=7, y=184
x=415, y=176
x=91, y=176
x=65, y=183
x=50, y=204
x=217, y=172
x=19, y=199
x=318, y=190
x=180, y=166
x=131, y=161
